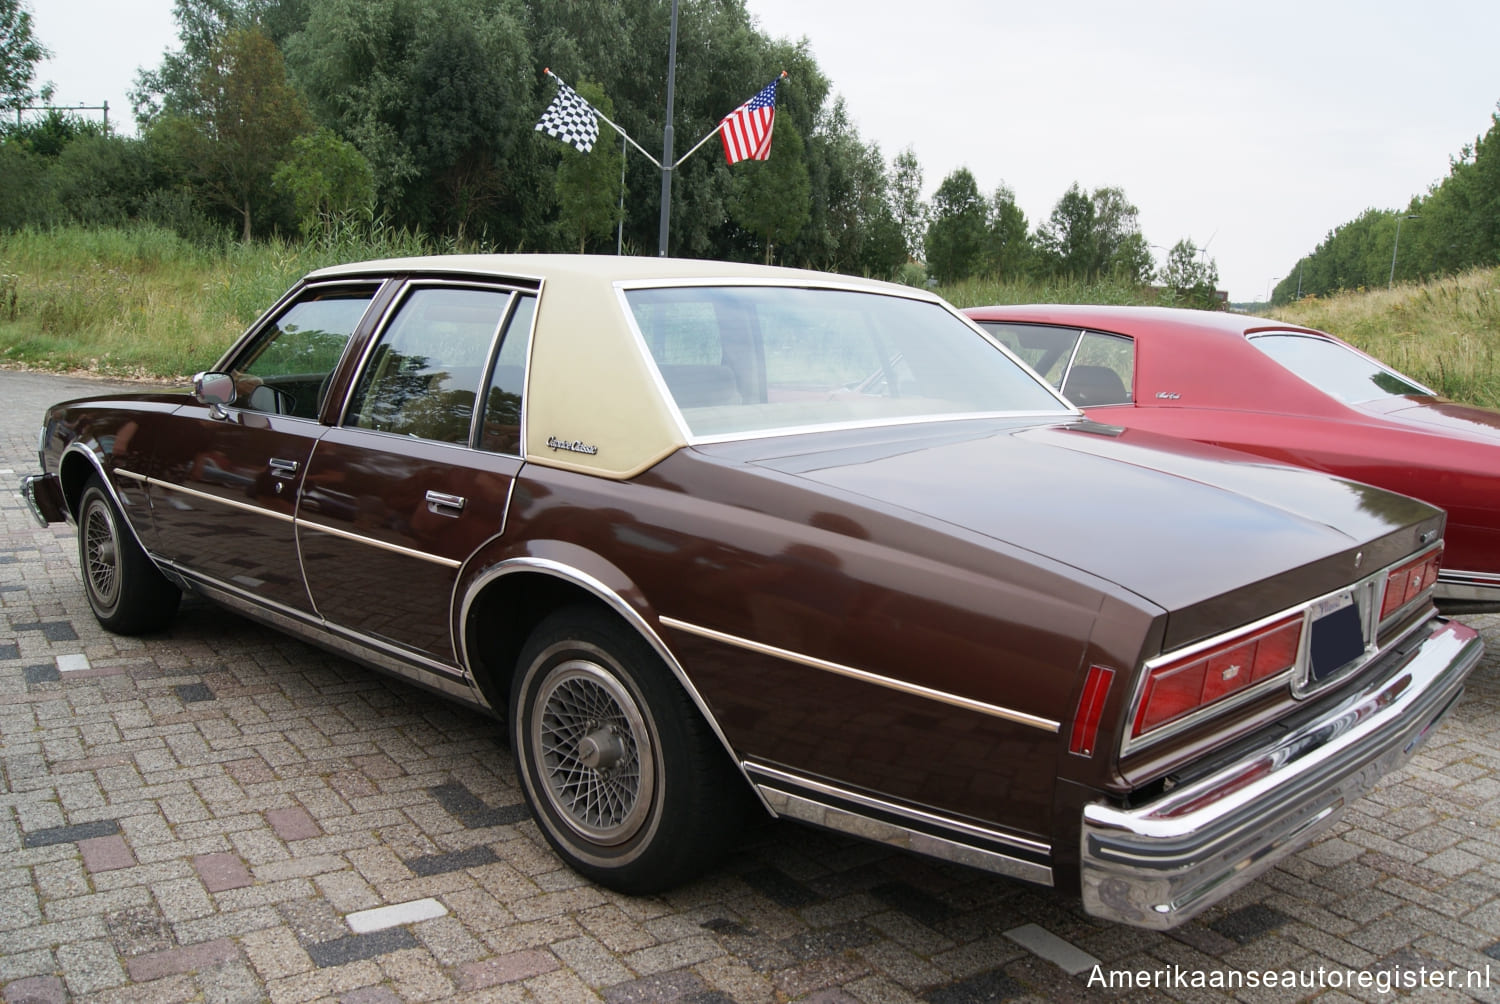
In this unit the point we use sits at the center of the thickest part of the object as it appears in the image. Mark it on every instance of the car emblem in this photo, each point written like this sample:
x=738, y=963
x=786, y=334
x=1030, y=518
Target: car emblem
x=1359, y=557
x=1230, y=673
x=1168, y=395
x=572, y=446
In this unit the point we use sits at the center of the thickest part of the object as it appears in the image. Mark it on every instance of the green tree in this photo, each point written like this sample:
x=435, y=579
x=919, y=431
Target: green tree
x=957, y=233
x=440, y=98
x=588, y=184
x=19, y=54
x=327, y=179
x=244, y=119
x=1068, y=241
x=1191, y=278
x=771, y=197
x=1008, y=247
x=910, y=211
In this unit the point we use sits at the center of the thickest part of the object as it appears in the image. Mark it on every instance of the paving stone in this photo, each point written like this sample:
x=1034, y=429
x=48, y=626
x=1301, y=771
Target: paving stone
x=437, y=864
x=357, y=947
x=292, y=823
x=70, y=834
x=35, y=989
x=102, y=854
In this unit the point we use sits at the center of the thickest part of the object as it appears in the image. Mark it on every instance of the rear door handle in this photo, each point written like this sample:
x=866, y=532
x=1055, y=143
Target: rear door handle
x=443, y=504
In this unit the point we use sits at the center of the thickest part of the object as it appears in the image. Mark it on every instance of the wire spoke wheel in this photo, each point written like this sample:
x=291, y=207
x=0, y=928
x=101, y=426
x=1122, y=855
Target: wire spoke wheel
x=101, y=554
x=594, y=752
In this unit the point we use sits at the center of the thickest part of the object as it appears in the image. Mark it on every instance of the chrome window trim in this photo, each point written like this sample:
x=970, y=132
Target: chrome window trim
x=624, y=286
x=1336, y=343
x=377, y=334
x=865, y=676
x=516, y=298
x=615, y=602
x=1297, y=675
x=284, y=303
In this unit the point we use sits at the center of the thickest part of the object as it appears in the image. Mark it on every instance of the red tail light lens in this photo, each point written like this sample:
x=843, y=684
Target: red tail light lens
x=1090, y=708
x=1407, y=582
x=1176, y=689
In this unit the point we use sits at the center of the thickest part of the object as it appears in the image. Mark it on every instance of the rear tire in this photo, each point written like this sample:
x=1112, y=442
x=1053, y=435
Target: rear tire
x=127, y=593
x=628, y=784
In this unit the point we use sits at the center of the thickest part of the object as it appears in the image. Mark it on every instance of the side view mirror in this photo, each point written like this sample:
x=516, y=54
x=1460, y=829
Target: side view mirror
x=214, y=390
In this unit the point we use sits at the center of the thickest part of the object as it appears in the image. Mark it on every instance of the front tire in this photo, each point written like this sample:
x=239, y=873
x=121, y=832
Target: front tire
x=628, y=784
x=127, y=593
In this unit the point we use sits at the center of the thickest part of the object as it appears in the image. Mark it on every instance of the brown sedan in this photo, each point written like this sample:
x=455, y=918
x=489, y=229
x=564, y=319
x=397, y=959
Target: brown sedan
x=717, y=540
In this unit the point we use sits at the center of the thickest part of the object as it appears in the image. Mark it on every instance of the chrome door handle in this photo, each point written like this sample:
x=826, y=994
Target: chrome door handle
x=284, y=468
x=443, y=504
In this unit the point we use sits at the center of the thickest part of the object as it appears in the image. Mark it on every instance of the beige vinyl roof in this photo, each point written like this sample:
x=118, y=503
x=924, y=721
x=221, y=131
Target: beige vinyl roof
x=593, y=403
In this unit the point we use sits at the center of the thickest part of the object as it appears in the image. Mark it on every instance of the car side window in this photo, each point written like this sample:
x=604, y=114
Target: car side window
x=285, y=370
x=422, y=378
x=1103, y=371
x=1045, y=348
x=501, y=430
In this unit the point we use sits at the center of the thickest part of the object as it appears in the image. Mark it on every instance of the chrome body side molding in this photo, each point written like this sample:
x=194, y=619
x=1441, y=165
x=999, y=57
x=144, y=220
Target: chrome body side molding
x=449, y=681
x=864, y=676
x=902, y=827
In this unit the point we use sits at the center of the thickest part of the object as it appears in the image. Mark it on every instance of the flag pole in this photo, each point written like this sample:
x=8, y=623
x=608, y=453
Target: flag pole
x=613, y=125
x=666, y=156
x=711, y=134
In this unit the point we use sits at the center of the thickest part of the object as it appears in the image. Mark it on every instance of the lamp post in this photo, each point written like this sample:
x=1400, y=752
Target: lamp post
x=1395, y=245
x=666, y=142
x=1270, y=285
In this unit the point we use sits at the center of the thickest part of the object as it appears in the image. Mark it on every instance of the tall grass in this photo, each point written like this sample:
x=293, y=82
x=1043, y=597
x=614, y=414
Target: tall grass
x=1444, y=332
x=144, y=303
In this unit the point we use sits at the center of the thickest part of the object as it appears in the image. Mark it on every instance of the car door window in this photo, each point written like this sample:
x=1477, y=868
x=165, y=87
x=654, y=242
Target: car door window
x=424, y=374
x=285, y=370
x=1103, y=371
x=1336, y=369
x=501, y=430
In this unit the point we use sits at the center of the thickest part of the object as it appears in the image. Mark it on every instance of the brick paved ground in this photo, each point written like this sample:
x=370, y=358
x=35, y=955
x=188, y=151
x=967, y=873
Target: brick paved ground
x=223, y=814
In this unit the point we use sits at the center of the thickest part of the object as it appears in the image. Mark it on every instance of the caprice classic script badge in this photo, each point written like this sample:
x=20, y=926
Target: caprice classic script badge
x=571, y=446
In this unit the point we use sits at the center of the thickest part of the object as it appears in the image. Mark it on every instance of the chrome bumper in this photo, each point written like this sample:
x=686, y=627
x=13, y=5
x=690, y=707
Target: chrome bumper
x=44, y=498
x=1468, y=592
x=1157, y=865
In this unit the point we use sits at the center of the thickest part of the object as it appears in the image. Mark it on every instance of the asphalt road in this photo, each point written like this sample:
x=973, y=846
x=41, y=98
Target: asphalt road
x=219, y=813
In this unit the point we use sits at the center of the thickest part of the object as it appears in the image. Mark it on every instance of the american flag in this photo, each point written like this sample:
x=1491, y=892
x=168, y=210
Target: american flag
x=570, y=119
x=746, y=131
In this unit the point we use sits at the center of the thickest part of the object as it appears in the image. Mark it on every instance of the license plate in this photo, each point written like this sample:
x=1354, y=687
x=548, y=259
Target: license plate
x=1338, y=637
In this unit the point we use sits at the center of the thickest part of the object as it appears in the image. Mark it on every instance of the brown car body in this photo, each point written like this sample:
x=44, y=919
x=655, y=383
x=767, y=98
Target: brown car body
x=927, y=625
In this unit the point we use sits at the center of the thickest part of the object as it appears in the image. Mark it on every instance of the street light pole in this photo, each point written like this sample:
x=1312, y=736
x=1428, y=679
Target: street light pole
x=666, y=156
x=1270, y=285
x=1395, y=245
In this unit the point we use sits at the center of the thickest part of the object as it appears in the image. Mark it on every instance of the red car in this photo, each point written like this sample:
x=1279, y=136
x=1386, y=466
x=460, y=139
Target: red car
x=1288, y=393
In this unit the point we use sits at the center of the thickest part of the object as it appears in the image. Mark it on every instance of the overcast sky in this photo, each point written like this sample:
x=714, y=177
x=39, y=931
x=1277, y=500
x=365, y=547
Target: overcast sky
x=1252, y=128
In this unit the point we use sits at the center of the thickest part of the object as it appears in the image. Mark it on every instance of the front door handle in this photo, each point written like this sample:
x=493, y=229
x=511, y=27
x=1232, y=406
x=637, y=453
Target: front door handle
x=443, y=504
x=284, y=468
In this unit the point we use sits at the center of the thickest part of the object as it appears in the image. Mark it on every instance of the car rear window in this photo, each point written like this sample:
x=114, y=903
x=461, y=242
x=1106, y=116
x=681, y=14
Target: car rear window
x=747, y=359
x=1335, y=369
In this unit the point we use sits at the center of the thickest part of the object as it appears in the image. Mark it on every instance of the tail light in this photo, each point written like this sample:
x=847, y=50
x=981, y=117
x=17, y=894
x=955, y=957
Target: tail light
x=1173, y=690
x=1406, y=582
x=1090, y=708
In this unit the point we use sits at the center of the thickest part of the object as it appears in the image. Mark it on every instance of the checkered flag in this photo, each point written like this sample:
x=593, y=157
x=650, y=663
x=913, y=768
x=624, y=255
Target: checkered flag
x=570, y=119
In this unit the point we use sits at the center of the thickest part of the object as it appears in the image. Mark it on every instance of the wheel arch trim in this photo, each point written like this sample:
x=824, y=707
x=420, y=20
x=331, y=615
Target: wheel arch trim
x=64, y=464
x=627, y=612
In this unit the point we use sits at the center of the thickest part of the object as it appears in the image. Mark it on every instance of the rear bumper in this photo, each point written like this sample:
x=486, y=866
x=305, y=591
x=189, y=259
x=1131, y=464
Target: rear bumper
x=1159, y=864
x=44, y=498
